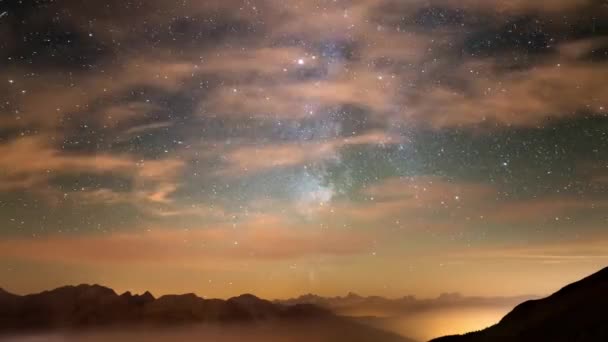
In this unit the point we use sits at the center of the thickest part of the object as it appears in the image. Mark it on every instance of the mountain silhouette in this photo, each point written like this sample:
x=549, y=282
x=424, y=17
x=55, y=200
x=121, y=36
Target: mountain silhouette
x=578, y=312
x=82, y=307
x=352, y=303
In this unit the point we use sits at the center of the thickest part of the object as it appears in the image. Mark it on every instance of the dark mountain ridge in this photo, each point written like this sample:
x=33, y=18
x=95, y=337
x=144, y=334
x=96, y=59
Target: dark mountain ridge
x=95, y=305
x=577, y=312
x=404, y=305
x=85, y=307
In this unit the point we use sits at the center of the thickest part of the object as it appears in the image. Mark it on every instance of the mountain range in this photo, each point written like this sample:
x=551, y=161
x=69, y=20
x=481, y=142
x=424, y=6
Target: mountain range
x=418, y=318
x=356, y=305
x=576, y=313
x=94, y=307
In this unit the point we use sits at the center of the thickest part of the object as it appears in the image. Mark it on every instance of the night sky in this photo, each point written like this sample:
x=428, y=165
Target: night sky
x=284, y=147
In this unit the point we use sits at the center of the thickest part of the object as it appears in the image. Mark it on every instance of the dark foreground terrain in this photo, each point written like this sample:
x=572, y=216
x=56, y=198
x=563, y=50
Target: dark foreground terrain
x=576, y=313
x=96, y=313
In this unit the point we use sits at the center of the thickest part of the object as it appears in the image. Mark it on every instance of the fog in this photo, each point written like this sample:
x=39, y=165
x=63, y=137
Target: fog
x=264, y=332
x=423, y=326
x=184, y=334
x=420, y=319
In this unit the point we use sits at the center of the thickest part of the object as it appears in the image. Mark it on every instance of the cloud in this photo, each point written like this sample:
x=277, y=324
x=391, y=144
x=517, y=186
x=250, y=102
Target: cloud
x=547, y=209
x=56, y=97
x=114, y=115
x=300, y=99
x=439, y=204
x=199, y=114
x=406, y=75
x=376, y=65
x=30, y=163
x=28, y=160
x=520, y=5
x=504, y=8
x=414, y=202
x=550, y=91
x=583, y=250
x=251, y=159
x=260, y=237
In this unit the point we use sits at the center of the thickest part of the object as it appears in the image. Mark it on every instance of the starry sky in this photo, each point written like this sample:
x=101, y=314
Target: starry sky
x=284, y=147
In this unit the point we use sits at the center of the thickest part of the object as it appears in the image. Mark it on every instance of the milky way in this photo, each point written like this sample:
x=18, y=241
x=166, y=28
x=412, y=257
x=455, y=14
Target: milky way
x=285, y=147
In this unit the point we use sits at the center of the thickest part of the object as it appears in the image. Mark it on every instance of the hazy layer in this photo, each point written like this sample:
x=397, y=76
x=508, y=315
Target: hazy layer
x=322, y=331
x=424, y=326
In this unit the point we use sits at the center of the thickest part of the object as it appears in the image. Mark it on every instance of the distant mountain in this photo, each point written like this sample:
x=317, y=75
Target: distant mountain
x=356, y=305
x=74, y=308
x=419, y=318
x=578, y=312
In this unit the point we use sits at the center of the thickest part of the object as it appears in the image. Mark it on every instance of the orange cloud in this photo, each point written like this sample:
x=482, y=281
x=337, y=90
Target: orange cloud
x=438, y=204
x=29, y=163
x=58, y=97
x=289, y=99
x=260, y=237
x=414, y=202
x=589, y=249
x=547, y=91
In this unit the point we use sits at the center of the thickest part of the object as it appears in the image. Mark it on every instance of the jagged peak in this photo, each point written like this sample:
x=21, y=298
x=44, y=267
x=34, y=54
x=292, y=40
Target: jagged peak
x=84, y=288
x=95, y=288
x=247, y=296
x=148, y=295
x=248, y=299
x=185, y=296
x=145, y=295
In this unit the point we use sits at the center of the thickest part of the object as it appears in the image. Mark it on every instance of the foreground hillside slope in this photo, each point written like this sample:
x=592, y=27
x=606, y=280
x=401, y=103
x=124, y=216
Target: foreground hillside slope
x=578, y=312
